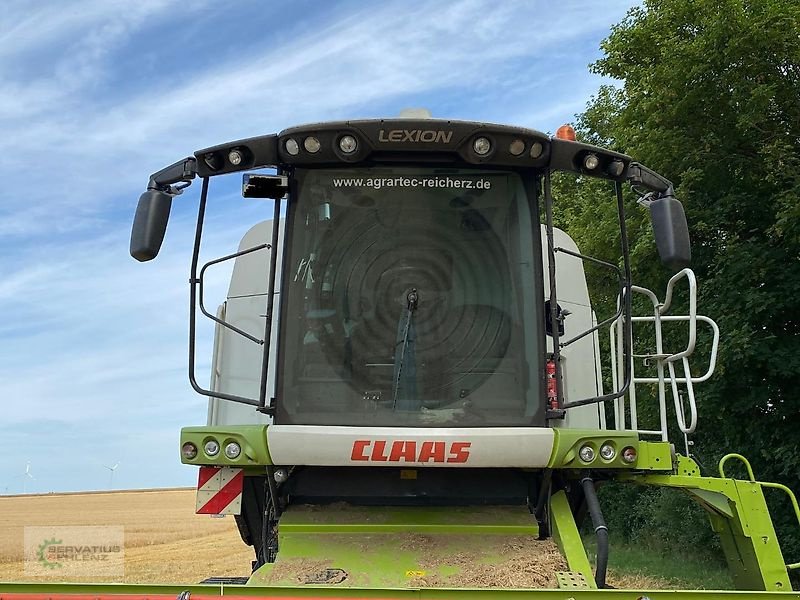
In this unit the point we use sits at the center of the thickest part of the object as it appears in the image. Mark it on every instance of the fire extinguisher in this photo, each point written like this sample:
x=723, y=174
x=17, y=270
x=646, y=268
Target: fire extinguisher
x=552, y=384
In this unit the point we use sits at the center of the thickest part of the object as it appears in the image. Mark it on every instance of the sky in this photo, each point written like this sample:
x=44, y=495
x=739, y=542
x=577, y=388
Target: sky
x=96, y=95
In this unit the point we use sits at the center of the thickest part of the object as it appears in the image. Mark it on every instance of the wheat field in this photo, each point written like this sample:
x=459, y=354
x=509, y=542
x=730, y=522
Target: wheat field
x=165, y=541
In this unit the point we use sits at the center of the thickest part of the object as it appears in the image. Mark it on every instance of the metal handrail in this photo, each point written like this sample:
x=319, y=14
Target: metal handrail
x=663, y=359
x=662, y=309
x=712, y=363
x=623, y=321
x=201, y=283
x=742, y=459
x=194, y=283
x=620, y=292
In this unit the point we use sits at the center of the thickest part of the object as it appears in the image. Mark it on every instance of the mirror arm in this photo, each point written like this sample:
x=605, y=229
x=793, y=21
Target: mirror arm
x=640, y=176
x=181, y=172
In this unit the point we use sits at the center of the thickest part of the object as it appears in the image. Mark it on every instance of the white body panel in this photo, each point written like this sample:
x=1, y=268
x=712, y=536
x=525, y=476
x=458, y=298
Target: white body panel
x=237, y=361
x=579, y=361
x=236, y=366
x=523, y=447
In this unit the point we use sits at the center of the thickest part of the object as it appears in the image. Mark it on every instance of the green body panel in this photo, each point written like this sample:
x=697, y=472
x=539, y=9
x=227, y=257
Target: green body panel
x=739, y=515
x=394, y=547
x=650, y=455
x=200, y=592
x=251, y=438
x=564, y=455
x=566, y=535
x=654, y=456
x=513, y=520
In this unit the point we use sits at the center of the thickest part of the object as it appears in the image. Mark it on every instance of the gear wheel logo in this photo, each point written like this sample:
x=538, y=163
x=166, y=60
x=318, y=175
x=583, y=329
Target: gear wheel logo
x=42, y=554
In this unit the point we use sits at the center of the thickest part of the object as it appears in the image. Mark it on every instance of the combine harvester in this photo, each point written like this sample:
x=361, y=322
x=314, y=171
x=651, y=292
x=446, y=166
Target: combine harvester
x=406, y=397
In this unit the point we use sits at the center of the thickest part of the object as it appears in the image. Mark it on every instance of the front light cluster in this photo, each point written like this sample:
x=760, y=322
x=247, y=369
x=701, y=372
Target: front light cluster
x=211, y=448
x=482, y=146
x=607, y=453
x=238, y=156
x=591, y=162
x=311, y=144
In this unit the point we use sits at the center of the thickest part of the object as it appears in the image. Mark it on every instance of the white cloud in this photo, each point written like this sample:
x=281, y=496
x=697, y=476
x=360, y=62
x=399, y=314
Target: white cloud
x=77, y=38
x=365, y=59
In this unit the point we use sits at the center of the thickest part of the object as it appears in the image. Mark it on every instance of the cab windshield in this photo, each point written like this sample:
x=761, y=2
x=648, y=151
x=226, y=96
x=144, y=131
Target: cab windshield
x=410, y=299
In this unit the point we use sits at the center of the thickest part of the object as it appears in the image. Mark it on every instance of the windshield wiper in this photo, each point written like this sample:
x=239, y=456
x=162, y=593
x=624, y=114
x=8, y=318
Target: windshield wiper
x=412, y=299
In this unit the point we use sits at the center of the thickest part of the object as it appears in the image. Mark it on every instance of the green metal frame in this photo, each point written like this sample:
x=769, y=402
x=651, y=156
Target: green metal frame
x=566, y=536
x=764, y=484
x=738, y=513
x=736, y=508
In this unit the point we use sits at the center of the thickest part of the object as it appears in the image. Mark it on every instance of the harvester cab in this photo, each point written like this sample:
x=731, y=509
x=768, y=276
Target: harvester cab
x=407, y=389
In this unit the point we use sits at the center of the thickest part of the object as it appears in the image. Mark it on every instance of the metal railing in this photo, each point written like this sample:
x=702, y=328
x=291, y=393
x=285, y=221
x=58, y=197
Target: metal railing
x=626, y=409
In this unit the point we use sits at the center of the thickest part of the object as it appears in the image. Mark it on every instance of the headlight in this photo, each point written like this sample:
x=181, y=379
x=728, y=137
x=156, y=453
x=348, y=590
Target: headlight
x=189, y=450
x=348, y=144
x=211, y=447
x=236, y=157
x=591, y=162
x=292, y=147
x=607, y=452
x=311, y=144
x=233, y=450
x=615, y=168
x=629, y=454
x=482, y=146
x=586, y=454
x=516, y=147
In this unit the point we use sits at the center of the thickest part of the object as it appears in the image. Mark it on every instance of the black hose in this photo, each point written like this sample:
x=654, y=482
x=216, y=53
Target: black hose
x=600, y=530
x=544, y=494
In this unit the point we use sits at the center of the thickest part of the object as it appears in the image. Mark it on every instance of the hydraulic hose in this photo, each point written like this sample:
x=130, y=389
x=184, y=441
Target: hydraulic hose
x=600, y=530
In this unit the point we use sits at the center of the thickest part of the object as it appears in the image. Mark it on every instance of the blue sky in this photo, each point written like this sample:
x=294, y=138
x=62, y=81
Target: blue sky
x=98, y=94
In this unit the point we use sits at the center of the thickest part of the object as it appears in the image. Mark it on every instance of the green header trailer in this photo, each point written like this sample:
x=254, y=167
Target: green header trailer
x=407, y=395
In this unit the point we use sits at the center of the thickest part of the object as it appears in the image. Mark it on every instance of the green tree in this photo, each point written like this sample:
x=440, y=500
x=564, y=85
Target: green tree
x=709, y=96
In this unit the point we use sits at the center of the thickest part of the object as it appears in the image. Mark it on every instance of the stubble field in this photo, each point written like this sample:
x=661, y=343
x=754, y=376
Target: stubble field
x=165, y=542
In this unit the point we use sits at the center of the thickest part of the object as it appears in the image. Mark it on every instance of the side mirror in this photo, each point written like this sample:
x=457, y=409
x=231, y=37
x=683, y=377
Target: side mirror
x=671, y=232
x=150, y=224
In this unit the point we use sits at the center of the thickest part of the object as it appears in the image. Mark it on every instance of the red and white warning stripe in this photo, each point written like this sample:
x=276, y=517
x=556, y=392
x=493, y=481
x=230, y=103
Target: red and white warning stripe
x=219, y=491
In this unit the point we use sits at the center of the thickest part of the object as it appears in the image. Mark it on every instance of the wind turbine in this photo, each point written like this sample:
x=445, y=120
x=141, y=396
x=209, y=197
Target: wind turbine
x=111, y=475
x=26, y=476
